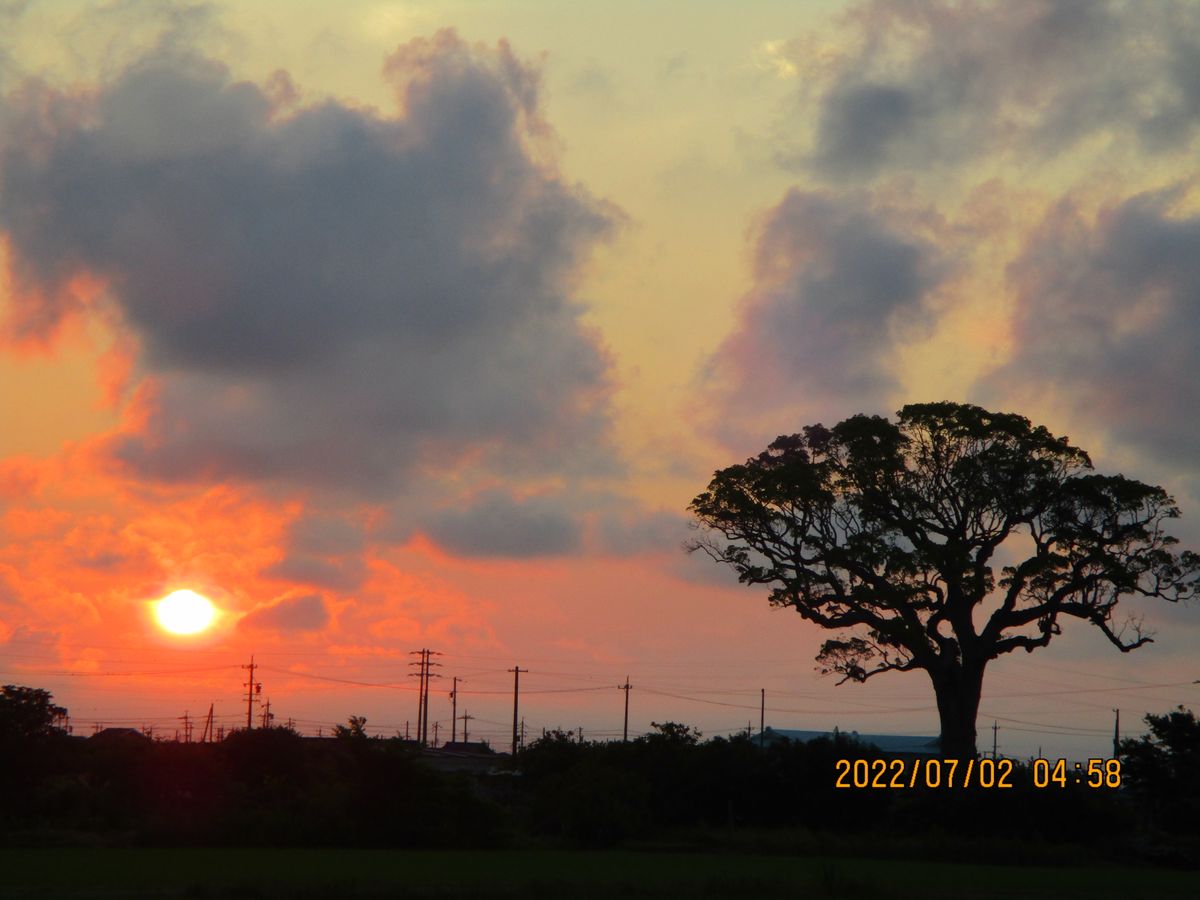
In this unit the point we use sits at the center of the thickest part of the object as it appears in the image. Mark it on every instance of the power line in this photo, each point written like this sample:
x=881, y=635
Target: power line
x=398, y=686
x=1083, y=731
x=67, y=674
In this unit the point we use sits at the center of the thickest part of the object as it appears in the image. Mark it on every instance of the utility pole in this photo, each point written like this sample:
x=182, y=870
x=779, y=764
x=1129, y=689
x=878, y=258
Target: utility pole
x=995, y=728
x=421, y=687
x=187, y=727
x=466, y=717
x=522, y=732
x=435, y=726
x=428, y=675
x=253, y=688
x=516, y=670
x=625, y=687
x=1117, y=734
x=208, y=726
x=266, y=714
x=762, y=716
x=424, y=674
x=454, y=711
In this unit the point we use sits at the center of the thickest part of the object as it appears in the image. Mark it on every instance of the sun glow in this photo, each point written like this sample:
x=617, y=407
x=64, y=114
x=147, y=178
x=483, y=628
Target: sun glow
x=185, y=612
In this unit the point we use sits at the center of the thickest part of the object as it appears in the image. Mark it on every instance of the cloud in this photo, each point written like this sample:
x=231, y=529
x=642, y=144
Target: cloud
x=334, y=573
x=306, y=613
x=323, y=550
x=332, y=297
x=592, y=79
x=497, y=524
x=931, y=84
x=11, y=12
x=632, y=530
x=1107, y=321
x=839, y=279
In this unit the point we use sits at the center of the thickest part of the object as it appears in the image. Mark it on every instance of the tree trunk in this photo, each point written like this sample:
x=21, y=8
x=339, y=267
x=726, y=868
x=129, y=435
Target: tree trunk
x=957, y=692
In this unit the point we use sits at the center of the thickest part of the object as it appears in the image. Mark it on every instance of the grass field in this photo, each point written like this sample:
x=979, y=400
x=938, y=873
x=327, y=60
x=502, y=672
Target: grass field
x=116, y=874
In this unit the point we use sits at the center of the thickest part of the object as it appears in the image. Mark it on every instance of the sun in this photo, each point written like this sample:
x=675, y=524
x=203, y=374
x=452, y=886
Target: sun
x=185, y=612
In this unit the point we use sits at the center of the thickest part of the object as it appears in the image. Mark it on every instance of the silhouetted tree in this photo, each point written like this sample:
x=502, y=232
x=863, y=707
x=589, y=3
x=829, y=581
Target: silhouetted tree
x=28, y=713
x=355, y=729
x=1163, y=767
x=889, y=530
x=31, y=740
x=674, y=733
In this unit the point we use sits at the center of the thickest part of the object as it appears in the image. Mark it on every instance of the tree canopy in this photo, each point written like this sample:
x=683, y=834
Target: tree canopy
x=892, y=532
x=1164, y=767
x=28, y=713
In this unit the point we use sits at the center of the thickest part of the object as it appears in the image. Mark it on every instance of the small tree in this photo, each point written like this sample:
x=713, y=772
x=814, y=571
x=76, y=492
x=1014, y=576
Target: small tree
x=674, y=733
x=888, y=532
x=29, y=713
x=355, y=729
x=30, y=729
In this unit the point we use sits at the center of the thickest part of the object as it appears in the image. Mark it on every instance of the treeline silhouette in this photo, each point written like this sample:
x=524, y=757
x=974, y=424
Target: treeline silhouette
x=666, y=789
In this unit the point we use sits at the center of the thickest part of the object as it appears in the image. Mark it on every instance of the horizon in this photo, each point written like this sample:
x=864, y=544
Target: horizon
x=396, y=325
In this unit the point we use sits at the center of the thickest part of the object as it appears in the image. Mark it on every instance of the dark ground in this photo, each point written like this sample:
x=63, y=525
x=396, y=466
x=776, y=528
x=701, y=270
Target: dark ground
x=120, y=873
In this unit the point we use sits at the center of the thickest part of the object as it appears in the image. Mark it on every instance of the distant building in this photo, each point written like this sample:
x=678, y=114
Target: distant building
x=892, y=745
x=474, y=747
x=119, y=735
x=462, y=756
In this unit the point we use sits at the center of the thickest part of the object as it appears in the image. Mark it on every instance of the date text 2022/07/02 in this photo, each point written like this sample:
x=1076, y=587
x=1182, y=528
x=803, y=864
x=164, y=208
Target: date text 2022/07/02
x=999, y=774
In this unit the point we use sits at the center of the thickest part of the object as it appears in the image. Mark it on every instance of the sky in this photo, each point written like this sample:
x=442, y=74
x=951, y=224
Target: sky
x=401, y=325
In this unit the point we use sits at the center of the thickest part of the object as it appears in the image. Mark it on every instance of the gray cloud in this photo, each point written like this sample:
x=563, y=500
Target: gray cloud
x=323, y=550
x=632, y=529
x=337, y=573
x=838, y=279
x=334, y=297
x=325, y=533
x=1108, y=321
x=496, y=524
x=941, y=83
x=307, y=613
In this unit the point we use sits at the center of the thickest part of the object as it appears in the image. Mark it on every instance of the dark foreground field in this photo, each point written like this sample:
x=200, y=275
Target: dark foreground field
x=115, y=874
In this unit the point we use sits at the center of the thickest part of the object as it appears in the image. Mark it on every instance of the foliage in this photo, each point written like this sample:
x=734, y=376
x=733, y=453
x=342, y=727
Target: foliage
x=674, y=733
x=31, y=743
x=27, y=713
x=354, y=729
x=889, y=532
x=273, y=787
x=1163, y=767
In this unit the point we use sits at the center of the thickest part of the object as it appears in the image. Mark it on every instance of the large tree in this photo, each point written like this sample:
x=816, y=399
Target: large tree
x=890, y=532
